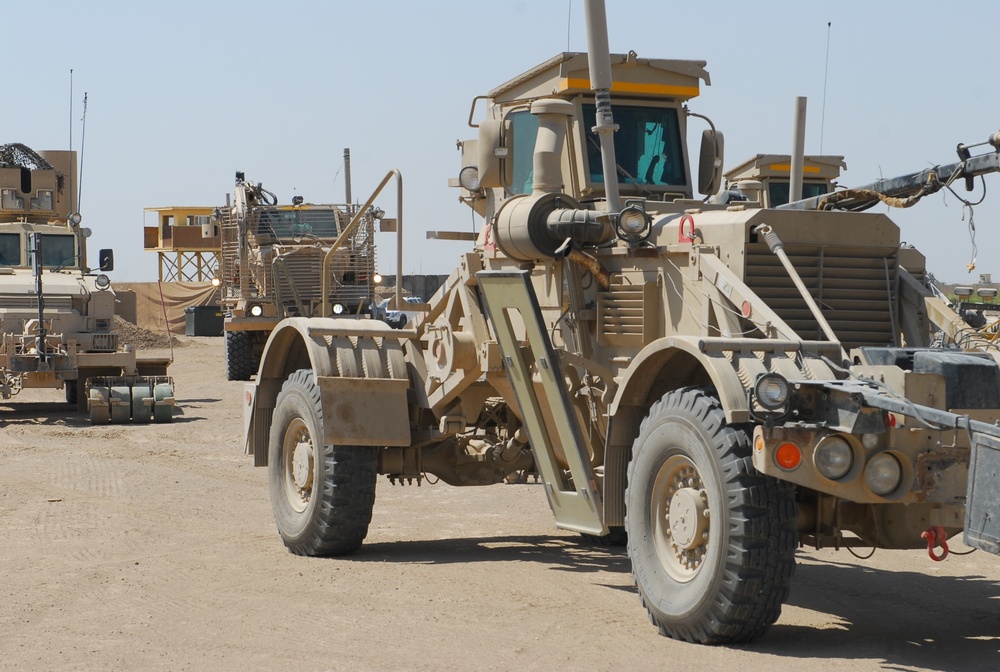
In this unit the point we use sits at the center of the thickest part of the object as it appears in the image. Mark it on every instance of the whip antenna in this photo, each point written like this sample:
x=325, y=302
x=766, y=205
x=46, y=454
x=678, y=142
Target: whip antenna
x=83, y=137
x=826, y=70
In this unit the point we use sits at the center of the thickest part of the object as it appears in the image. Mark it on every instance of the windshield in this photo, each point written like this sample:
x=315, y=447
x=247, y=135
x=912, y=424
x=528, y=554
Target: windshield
x=10, y=249
x=318, y=222
x=778, y=192
x=57, y=251
x=648, y=146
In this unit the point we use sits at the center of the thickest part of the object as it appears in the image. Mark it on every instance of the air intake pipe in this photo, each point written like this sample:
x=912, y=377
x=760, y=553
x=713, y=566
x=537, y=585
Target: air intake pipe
x=532, y=227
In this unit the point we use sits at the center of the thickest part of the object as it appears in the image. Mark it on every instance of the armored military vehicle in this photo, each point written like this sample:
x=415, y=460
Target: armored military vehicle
x=270, y=266
x=57, y=314
x=711, y=384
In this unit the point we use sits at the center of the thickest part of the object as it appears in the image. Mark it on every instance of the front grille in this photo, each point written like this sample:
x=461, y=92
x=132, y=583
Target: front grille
x=855, y=289
x=13, y=302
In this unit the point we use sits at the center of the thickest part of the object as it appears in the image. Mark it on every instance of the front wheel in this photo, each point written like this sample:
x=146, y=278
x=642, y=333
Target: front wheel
x=322, y=495
x=241, y=363
x=711, y=540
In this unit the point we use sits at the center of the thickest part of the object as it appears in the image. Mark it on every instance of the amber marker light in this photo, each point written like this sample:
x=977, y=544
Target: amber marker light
x=758, y=444
x=788, y=456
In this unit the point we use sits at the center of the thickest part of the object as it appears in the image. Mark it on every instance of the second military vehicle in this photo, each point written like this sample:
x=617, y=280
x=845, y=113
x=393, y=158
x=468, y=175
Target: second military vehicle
x=270, y=262
x=711, y=384
x=56, y=313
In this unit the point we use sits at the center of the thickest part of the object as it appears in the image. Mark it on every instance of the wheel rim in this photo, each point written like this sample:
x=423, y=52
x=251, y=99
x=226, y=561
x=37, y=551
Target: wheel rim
x=680, y=517
x=299, y=457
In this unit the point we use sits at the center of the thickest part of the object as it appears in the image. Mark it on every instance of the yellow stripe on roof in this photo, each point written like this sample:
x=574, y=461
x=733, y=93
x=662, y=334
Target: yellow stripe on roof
x=567, y=83
x=787, y=167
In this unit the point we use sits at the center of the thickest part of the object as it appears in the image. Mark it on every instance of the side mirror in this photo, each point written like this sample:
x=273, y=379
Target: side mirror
x=490, y=152
x=106, y=260
x=710, y=162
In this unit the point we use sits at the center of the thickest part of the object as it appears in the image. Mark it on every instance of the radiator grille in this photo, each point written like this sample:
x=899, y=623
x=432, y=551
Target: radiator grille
x=855, y=289
x=12, y=302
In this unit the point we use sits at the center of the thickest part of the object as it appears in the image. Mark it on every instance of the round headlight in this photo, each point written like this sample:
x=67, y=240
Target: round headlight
x=883, y=474
x=338, y=309
x=633, y=221
x=75, y=219
x=771, y=391
x=468, y=177
x=377, y=278
x=833, y=457
x=256, y=310
x=102, y=281
x=216, y=282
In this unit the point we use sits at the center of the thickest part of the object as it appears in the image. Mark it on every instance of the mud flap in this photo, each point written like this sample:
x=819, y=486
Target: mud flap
x=982, y=506
x=510, y=300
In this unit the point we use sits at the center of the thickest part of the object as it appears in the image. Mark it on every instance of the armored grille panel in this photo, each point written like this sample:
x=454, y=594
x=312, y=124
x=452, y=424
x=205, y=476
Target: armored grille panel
x=855, y=288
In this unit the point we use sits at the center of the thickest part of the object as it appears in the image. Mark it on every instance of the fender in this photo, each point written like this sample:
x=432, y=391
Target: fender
x=359, y=367
x=679, y=361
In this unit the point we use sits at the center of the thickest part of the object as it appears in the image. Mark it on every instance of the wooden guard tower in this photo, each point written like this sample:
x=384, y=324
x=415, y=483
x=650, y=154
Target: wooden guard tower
x=187, y=243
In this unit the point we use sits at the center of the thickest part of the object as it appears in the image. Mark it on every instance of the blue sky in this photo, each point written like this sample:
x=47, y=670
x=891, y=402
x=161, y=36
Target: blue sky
x=183, y=94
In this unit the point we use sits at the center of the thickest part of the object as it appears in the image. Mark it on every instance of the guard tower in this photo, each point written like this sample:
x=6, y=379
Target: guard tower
x=186, y=241
x=773, y=173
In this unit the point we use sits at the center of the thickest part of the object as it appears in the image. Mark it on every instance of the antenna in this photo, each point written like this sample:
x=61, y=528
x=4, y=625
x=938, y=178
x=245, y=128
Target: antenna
x=71, y=109
x=826, y=70
x=83, y=137
x=569, y=18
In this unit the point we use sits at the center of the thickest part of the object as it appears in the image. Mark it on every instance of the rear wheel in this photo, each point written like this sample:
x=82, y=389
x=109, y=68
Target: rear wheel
x=711, y=540
x=240, y=360
x=322, y=495
x=72, y=393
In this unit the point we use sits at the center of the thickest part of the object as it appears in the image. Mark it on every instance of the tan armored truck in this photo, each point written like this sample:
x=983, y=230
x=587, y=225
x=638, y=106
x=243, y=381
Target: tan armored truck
x=710, y=384
x=269, y=267
x=766, y=177
x=56, y=313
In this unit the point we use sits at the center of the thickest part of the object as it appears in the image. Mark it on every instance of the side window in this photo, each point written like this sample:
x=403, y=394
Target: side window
x=524, y=128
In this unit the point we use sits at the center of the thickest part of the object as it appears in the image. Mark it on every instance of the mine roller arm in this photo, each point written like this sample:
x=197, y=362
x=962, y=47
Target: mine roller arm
x=905, y=190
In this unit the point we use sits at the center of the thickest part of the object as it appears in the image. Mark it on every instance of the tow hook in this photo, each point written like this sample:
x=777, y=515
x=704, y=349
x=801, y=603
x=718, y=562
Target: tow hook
x=936, y=536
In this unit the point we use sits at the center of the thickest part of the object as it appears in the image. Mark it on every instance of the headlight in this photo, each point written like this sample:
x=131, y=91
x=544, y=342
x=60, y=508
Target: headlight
x=883, y=474
x=833, y=457
x=338, y=309
x=633, y=224
x=771, y=391
x=377, y=278
x=256, y=310
x=75, y=219
x=216, y=282
x=102, y=281
x=468, y=177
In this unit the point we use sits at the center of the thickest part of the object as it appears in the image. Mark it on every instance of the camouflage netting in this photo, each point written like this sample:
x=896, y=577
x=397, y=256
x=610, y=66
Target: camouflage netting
x=16, y=155
x=143, y=339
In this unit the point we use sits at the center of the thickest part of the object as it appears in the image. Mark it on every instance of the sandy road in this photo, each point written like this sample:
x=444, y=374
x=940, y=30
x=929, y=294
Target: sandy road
x=153, y=547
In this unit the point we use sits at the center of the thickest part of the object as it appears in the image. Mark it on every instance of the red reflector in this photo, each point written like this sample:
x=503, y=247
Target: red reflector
x=788, y=456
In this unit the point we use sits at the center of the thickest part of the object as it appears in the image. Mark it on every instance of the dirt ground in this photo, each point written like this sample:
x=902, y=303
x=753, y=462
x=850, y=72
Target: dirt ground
x=153, y=547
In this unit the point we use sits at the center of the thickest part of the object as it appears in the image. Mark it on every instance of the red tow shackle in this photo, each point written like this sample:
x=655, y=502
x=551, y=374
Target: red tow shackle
x=936, y=536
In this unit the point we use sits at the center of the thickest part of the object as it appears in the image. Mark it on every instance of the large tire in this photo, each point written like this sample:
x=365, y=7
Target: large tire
x=711, y=540
x=240, y=360
x=322, y=495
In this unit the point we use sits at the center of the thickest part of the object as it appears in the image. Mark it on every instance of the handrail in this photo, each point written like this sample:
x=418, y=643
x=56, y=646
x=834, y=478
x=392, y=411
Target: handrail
x=362, y=212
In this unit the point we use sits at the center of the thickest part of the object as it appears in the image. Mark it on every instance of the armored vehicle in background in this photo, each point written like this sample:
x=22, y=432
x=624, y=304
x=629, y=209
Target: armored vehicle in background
x=56, y=313
x=766, y=177
x=711, y=384
x=269, y=267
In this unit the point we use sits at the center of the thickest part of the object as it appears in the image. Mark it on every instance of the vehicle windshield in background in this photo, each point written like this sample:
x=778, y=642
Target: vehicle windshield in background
x=319, y=222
